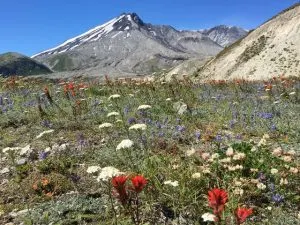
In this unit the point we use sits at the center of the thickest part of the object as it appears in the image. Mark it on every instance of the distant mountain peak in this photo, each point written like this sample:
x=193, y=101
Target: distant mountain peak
x=225, y=35
x=133, y=17
x=128, y=21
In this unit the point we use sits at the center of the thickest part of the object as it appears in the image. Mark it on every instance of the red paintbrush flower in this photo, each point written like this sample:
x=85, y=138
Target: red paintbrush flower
x=71, y=86
x=241, y=214
x=217, y=199
x=138, y=182
x=118, y=183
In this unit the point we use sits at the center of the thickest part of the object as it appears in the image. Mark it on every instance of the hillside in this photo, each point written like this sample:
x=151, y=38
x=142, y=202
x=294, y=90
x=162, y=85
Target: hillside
x=270, y=50
x=16, y=64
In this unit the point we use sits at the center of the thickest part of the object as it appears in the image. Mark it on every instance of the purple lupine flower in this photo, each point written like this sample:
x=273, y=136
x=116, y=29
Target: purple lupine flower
x=232, y=123
x=46, y=123
x=197, y=134
x=277, y=198
x=158, y=124
x=43, y=155
x=273, y=127
x=180, y=128
x=161, y=134
x=265, y=115
x=261, y=177
x=126, y=110
x=239, y=137
x=142, y=113
x=74, y=177
x=131, y=120
x=81, y=140
x=143, y=139
x=4, y=109
x=148, y=121
x=96, y=102
x=218, y=138
x=218, y=97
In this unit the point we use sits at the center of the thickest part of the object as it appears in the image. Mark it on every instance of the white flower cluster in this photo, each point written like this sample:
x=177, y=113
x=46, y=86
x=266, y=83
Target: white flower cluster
x=283, y=181
x=238, y=191
x=225, y=160
x=115, y=96
x=234, y=168
x=93, y=169
x=107, y=173
x=263, y=141
x=230, y=151
x=196, y=175
x=144, y=107
x=104, y=174
x=261, y=186
x=274, y=171
x=277, y=151
x=208, y=217
x=125, y=144
x=138, y=126
x=190, y=152
x=171, y=183
x=239, y=156
x=105, y=125
x=113, y=114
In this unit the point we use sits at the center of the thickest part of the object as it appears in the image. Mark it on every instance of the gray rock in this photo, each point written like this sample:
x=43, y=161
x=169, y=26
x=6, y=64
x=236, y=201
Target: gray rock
x=26, y=150
x=15, y=213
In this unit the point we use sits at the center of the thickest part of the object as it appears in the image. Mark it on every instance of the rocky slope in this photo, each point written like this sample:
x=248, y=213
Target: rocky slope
x=16, y=64
x=270, y=50
x=225, y=35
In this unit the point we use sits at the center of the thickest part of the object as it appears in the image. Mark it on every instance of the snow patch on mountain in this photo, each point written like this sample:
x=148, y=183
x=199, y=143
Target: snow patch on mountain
x=89, y=36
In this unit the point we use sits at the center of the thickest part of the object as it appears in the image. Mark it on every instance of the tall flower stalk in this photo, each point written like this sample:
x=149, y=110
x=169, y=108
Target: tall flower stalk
x=128, y=196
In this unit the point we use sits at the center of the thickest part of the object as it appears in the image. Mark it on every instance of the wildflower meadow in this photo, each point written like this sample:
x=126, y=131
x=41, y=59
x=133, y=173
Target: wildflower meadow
x=149, y=152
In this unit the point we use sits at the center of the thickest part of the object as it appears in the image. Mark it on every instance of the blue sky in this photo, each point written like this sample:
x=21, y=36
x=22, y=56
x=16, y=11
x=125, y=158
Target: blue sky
x=31, y=26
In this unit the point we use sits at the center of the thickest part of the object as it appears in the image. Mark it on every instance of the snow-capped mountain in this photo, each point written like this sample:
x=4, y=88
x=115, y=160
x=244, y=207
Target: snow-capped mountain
x=126, y=44
x=225, y=35
x=120, y=24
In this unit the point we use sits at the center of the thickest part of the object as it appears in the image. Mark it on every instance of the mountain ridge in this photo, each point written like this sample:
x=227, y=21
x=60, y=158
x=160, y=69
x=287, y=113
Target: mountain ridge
x=126, y=44
x=139, y=21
